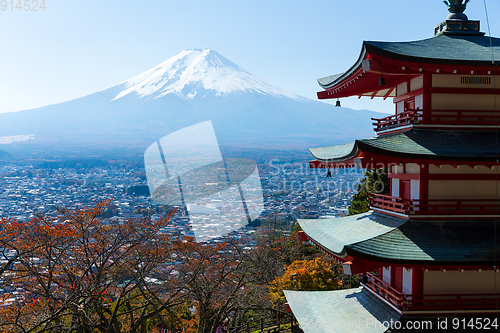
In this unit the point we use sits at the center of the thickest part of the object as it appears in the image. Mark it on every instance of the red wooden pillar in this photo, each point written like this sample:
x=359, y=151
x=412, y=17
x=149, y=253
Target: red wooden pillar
x=405, y=190
x=417, y=282
x=424, y=183
x=398, y=279
x=427, y=96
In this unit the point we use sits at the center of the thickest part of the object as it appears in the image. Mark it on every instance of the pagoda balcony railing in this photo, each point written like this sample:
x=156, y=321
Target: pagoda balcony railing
x=384, y=290
x=462, y=118
x=426, y=302
x=435, y=207
x=393, y=204
x=397, y=120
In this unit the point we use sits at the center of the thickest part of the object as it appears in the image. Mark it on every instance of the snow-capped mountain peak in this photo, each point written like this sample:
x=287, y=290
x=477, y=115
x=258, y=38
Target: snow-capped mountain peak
x=191, y=72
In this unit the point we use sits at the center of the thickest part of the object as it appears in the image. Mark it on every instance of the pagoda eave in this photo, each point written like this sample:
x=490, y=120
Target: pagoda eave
x=340, y=311
x=399, y=62
x=429, y=243
x=365, y=80
x=368, y=160
x=368, y=263
x=368, y=241
x=333, y=235
x=420, y=146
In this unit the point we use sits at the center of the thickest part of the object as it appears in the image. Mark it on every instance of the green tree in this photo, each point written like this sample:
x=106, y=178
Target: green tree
x=375, y=181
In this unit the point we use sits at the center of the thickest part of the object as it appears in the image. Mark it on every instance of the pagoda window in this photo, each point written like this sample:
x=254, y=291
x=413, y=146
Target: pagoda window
x=400, y=107
x=396, y=169
x=415, y=189
x=407, y=281
x=414, y=169
x=395, y=187
x=386, y=275
x=419, y=102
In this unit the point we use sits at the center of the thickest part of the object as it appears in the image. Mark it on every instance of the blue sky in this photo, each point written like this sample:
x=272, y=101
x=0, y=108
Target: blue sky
x=75, y=48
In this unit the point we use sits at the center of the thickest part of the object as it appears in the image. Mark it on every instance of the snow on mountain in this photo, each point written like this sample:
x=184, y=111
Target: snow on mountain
x=191, y=71
x=192, y=87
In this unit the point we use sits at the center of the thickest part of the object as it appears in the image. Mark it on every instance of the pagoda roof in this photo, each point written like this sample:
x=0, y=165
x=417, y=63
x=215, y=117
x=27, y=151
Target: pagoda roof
x=335, y=153
x=467, y=50
x=334, y=234
x=442, y=49
x=340, y=311
x=382, y=238
x=433, y=242
x=417, y=144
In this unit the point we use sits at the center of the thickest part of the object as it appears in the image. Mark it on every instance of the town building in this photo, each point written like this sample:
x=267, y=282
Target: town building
x=431, y=247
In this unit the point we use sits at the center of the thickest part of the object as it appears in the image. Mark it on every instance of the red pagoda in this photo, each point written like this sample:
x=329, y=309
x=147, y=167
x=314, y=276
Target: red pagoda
x=431, y=247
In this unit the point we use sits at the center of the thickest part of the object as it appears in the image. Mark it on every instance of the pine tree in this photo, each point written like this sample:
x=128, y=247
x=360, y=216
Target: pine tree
x=375, y=181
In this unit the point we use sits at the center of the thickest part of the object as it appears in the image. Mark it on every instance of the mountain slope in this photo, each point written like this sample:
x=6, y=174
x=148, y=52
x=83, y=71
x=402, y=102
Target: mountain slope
x=4, y=154
x=193, y=86
x=192, y=71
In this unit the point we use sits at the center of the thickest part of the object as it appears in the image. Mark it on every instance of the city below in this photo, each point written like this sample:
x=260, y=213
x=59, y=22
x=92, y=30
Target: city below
x=290, y=189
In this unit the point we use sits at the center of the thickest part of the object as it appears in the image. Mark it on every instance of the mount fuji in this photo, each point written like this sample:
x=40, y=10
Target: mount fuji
x=189, y=88
x=193, y=71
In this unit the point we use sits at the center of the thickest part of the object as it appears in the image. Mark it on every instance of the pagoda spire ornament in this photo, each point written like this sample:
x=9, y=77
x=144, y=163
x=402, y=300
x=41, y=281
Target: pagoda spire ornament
x=456, y=8
x=457, y=23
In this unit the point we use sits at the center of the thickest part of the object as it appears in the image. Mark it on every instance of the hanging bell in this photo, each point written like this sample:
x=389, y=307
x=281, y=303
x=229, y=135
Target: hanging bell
x=381, y=81
x=328, y=173
x=337, y=104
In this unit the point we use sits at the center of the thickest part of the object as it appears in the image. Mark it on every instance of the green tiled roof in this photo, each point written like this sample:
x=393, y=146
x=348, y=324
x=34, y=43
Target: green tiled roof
x=465, y=242
x=334, y=234
x=339, y=311
x=441, y=49
x=329, y=81
x=449, y=49
x=331, y=78
x=334, y=153
x=419, y=143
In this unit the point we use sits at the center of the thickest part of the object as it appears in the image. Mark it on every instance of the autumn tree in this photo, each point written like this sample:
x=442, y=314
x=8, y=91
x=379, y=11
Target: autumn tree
x=214, y=277
x=273, y=252
x=80, y=273
x=306, y=275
